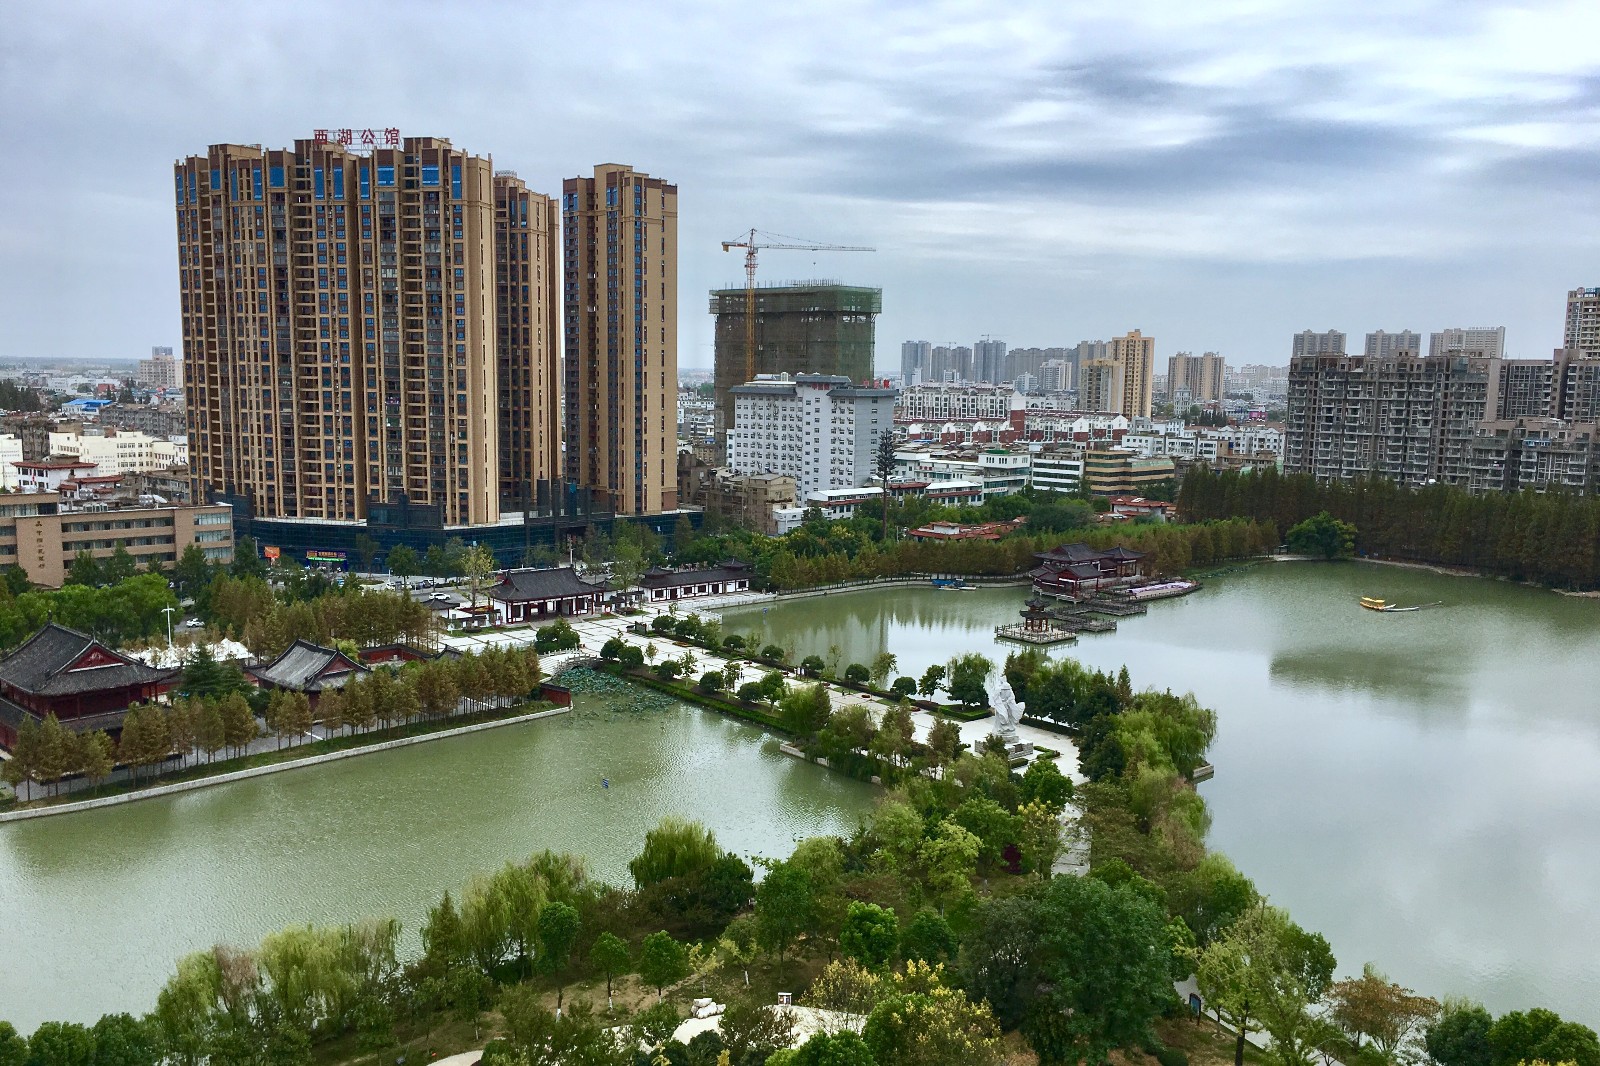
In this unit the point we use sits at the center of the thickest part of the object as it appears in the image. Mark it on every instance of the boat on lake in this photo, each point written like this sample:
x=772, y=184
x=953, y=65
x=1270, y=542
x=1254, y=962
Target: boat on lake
x=946, y=584
x=1373, y=603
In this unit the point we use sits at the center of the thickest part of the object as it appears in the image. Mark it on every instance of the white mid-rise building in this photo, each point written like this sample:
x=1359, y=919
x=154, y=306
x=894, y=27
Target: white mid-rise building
x=998, y=470
x=954, y=401
x=10, y=455
x=128, y=452
x=818, y=429
x=1058, y=468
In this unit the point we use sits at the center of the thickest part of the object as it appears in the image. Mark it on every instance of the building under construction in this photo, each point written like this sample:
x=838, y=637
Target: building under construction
x=806, y=327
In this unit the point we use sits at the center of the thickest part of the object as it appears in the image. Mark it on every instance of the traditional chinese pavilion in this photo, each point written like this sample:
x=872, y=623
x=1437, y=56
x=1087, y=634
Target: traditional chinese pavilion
x=660, y=585
x=544, y=592
x=309, y=668
x=85, y=684
x=1076, y=569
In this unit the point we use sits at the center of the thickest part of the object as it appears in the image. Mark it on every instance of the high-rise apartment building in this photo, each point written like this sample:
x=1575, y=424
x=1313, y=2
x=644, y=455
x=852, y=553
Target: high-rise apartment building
x=339, y=328
x=1136, y=355
x=916, y=362
x=160, y=371
x=1383, y=345
x=820, y=429
x=803, y=328
x=989, y=361
x=1200, y=377
x=1100, y=385
x=528, y=331
x=1481, y=342
x=620, y=239
x=1308, y=343
x=1582, y=333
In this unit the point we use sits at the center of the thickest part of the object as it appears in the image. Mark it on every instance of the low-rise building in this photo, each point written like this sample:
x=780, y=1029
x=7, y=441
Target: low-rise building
x=43, y=534
x=1058, y=468
x=73, y=676
x=1120, y=472
x=666, y=586
x=1000, y=471
x=545, y=592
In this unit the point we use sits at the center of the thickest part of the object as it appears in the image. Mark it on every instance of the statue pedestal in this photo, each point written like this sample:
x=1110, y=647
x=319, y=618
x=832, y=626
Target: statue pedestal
x=1018, y=751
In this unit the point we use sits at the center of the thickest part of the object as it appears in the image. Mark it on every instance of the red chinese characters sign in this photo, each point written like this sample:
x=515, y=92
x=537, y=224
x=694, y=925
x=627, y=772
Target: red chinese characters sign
x=351, y=138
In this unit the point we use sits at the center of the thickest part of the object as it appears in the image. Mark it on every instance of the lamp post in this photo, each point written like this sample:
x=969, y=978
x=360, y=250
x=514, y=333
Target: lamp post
x=168, y=612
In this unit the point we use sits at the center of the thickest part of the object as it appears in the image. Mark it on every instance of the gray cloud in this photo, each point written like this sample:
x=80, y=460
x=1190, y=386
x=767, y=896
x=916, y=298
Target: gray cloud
x=1219, y=175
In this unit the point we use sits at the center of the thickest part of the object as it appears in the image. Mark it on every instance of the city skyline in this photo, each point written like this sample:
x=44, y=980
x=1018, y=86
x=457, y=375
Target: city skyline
x=1041, y=178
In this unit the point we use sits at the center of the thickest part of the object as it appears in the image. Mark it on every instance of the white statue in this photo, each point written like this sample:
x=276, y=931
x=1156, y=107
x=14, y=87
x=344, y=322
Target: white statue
x=1007, y=711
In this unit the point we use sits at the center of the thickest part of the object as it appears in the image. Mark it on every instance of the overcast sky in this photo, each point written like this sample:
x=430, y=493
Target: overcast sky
x=1220, y=174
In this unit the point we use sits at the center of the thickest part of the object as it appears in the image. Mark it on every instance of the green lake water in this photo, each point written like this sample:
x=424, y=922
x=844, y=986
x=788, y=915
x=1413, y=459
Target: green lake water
x=1423, y=788
x=99, y=905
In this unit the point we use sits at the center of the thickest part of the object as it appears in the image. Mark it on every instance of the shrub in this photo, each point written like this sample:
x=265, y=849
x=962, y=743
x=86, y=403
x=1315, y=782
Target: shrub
x=661, y=623
x=751, y=692
x=667, y=669
x=904, y=687
x=612, y=649
x=773, y=652
x=711, y=681
x=559, y=636
x=688, y=627
x=631, y=657
x=1170, y=1056
x=733, y=642
x=811, y=665
x=857, y=674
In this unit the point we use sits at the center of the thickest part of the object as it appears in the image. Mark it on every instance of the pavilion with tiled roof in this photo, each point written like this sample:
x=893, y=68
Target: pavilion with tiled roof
x=544, y=592
x=84, y=683
x=1074, y=569
x=309, y=668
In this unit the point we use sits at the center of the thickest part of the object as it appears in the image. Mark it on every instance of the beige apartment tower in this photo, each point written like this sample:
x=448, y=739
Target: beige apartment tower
x=620, y=235
x=1201, y=376
x=1136, y=355
x=528, y=326
x=340, y=327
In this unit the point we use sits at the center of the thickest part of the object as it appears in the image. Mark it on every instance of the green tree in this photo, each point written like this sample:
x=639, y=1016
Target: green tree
x=193, y=572
x=120, y=566
x=247, y=560
x=366, y=551
x=662, y=962
x=1324, y=536
x=97, y=757
x=751, y=1030
x=84, y=570
x=403, y=562
x=1459, y=1036
x=927, y=937
x=785, y=907
x=123, y=1040
x=833, y=1049
x=61, y=1044
x=883, y=664
x=13, y=1048
x=968, y=675
x=870, y=933
x=932, y=680
x=1043, y=782
x=939, y=1027
x=558, y=931
x=610, y=956
x=676, y=847
x=1266, y=970
x=1540, y=1035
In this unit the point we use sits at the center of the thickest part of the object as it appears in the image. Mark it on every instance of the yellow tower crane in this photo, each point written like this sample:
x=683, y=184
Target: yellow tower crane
x=752, y=242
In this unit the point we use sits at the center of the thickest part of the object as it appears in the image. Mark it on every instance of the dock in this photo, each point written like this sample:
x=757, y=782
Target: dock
x=1021, y=634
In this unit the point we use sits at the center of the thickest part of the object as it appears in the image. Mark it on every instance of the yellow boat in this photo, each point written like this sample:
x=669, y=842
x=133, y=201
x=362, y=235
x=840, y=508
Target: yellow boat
x=1373, y=603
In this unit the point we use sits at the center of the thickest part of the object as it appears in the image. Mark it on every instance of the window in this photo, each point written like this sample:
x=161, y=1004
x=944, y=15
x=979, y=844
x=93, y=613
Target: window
x=385, y=177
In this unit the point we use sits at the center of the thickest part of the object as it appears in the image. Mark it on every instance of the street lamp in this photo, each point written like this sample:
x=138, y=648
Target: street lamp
x=168, y=612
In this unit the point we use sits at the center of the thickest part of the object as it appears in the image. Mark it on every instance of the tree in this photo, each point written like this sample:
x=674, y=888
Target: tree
x=120, y=566
x=1539, y=1034
x=403, y=562
x=1324, y=536
x=13, y=1048
x=84, y=570
x=558, y=930
x=785, y=904
x=676, y=847
x=805, y=711
x=1039, y=836
x=97, y=756
x=968, y=676
x=610, y=956
x=883, y=465
x=1267, y=970
x=478, y=565
x=61, y=1044
x=366, y=551
x=1374, y=1008
x=927, y=937
x=247, y=560
x=903, y=688
x=193, y=572
x=711, y=681
x=1043, y=782
x=883, y=665
x=857, y=674
x=939, y=1027
x=123, y=1040
x=870, y=933
x=932, y=680
x=833, y=1049
x=751, y=1030
x=239, y=725
x=1459, y=1036
x=662, y=962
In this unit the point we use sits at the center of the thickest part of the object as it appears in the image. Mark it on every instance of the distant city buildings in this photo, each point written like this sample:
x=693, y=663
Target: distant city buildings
x=947, y=401
x=1195, y=379
x=1382, y=345
x=160, y=371
x=1582, y=332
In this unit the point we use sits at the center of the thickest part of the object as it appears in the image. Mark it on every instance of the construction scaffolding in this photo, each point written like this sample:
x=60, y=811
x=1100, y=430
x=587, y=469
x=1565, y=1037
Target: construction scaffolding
x=802, y=327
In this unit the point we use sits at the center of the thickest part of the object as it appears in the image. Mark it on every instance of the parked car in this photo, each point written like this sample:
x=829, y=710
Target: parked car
x=192, y=623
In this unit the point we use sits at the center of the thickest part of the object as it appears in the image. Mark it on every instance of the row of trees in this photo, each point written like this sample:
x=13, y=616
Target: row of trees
x=247, y=608
x=215, y=712
x=130, y=610
x=1551, y=538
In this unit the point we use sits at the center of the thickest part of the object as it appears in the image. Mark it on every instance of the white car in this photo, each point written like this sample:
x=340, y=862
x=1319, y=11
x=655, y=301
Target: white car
x=192, y=623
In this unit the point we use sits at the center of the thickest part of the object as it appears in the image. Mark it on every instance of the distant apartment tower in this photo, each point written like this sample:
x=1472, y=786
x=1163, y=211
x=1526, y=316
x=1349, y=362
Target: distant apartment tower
x=620, y=243
x=1308, y=343
x=955, y=401
x=1200, y=376
x=989, y=361
x=1384, y=345
x=916, y=361
x=1054, y=375
x=528, y=330
x=1582, y=333
x=160, y=371
x=820, y=429
x=801, y=328
x=1483, y=342
x=1135, y=354
x=339, y=328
